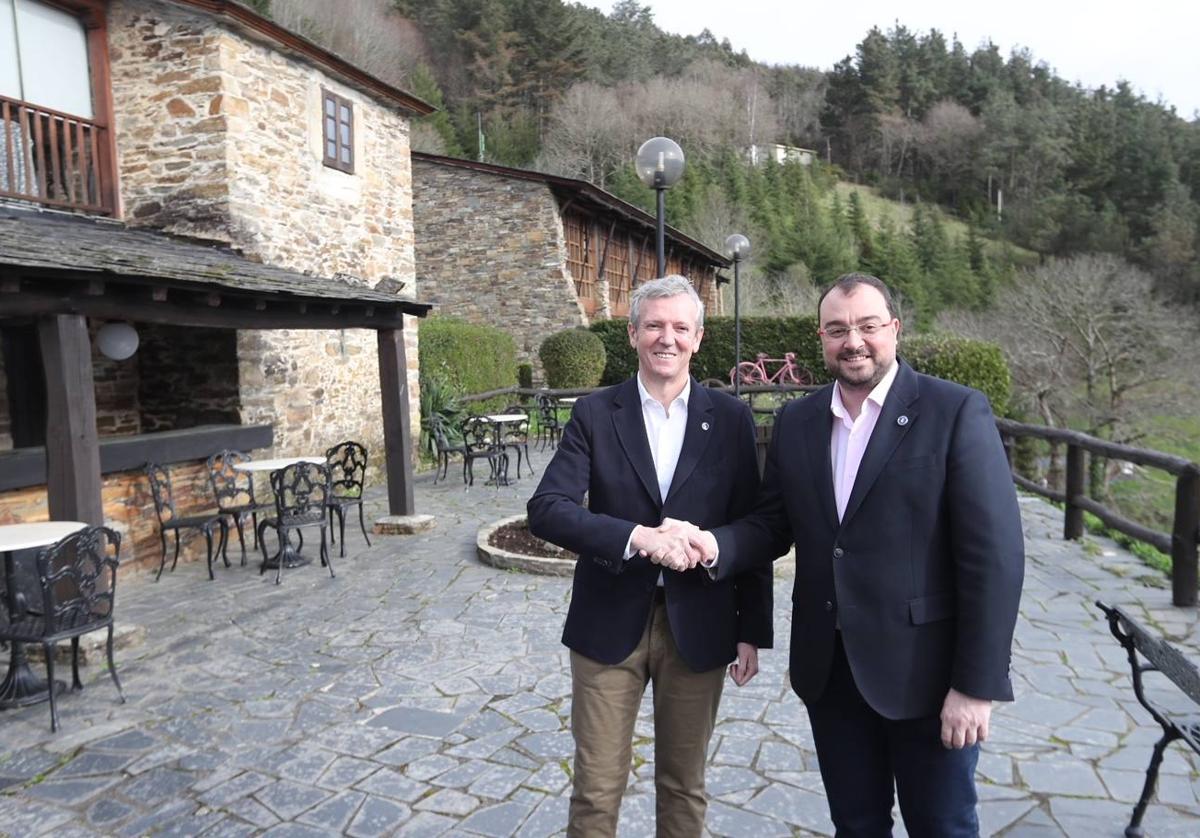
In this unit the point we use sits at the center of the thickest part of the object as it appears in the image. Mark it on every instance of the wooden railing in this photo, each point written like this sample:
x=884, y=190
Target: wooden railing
x=1180, y=543
x=54, y=158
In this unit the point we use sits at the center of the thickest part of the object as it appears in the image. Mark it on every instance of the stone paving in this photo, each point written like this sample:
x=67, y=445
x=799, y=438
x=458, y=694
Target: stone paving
x=424, y=693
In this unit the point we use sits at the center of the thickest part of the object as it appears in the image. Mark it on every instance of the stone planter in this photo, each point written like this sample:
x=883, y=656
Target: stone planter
x=507, y=560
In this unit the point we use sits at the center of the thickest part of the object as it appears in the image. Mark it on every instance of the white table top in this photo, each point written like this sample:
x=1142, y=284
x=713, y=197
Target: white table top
x=505, y=417
x=37, y=534
x=275, y=464
x=569, y=400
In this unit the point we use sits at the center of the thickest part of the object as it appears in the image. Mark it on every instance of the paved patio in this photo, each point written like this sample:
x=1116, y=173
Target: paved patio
x=424, y=693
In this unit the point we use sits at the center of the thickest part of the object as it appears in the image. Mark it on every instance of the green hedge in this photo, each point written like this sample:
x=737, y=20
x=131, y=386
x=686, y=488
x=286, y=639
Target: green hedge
x=467, y=357
x=773, y=335
x=572, y=358
x=971, y=362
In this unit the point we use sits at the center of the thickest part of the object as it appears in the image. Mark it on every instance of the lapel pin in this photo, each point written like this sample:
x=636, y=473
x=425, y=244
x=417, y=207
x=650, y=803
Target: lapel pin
x=902, y=421
x=704, y=426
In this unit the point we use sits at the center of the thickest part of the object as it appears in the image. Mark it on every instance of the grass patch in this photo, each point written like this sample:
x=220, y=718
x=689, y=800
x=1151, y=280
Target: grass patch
x=878, y=207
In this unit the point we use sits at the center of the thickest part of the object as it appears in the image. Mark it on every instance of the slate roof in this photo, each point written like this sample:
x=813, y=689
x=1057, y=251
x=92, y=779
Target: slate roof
x=86, y=247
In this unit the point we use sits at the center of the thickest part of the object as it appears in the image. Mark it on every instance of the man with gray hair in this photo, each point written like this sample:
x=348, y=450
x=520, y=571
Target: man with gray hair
x=656, y=447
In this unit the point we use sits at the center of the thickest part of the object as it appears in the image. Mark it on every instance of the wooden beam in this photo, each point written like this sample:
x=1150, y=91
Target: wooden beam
x=72, y=445
x=397, y=422
x=245, y=315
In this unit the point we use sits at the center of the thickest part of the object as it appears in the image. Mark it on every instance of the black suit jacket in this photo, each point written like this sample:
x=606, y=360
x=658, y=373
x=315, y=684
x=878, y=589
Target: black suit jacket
x=604, y=453
x=924, y=572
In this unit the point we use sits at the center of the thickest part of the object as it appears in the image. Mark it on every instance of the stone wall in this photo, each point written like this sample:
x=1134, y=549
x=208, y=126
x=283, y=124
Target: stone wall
x=118, y=409
x=129, y=509
x=219, y=137
x=189, y=377
x=490, y=249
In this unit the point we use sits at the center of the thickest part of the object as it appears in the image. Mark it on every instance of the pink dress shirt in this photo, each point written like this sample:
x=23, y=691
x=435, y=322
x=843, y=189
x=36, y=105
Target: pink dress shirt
x=848, y=441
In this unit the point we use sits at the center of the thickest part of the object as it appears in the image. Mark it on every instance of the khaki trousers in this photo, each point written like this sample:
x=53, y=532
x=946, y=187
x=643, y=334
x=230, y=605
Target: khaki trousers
x=604, y=707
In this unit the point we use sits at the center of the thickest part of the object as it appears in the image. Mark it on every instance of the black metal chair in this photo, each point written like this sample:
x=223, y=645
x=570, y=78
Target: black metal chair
x=170, y=520
x=302, y=491
x=347, y=463
x=444, y=447
x=78, y=580
x=549, y=426
x=234, y=491
x=515, y=436
x=479, y=443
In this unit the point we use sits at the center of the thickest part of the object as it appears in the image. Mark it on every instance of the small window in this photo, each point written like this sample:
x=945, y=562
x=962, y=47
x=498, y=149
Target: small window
x=337, y=119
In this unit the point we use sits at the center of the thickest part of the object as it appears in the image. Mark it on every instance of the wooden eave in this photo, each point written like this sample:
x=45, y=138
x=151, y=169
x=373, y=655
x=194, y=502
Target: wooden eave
x=52, y=264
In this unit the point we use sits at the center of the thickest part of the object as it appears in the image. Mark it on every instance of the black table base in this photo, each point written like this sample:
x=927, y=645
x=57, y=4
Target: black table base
x=20, y=686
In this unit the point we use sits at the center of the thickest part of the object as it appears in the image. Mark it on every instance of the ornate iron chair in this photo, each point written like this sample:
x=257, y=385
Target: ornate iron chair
x=347, y=463
x=444, y=447
x=78, y=581
x=302, y=491
x=234, y=491
x=479, y=443
x=515, y=436
x=549, y=426
x=170, y=520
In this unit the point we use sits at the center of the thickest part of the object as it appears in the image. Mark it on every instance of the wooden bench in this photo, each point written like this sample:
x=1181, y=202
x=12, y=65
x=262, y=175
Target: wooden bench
x=1161, y=657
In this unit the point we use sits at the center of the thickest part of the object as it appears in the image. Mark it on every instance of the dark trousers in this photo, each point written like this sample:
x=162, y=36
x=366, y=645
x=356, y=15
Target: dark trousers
x=862, y=755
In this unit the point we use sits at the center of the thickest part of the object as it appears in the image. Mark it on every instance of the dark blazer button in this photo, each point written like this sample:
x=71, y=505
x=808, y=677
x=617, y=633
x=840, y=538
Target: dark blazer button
x=828, y=605
x=837, y=552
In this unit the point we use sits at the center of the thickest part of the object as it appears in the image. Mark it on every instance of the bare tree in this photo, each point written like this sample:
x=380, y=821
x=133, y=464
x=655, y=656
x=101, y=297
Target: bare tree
x=896, y=135
x=1091, y=344
x=949, y=138
x=367, y=33
x=589, y=134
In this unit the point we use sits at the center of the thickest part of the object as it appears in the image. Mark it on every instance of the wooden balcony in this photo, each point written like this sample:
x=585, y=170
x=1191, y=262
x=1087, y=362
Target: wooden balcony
x=55, y=159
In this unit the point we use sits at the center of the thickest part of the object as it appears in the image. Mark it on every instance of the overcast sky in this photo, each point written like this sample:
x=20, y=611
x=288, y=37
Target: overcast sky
x=1151, y=44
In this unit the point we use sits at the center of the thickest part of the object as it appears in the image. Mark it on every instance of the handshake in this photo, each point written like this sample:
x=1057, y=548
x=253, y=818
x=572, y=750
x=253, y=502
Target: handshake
x=676, y=545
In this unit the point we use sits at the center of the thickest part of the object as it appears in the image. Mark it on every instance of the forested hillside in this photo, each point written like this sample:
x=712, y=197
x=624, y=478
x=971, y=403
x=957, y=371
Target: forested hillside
x=1058, y=221
x=1000, y=142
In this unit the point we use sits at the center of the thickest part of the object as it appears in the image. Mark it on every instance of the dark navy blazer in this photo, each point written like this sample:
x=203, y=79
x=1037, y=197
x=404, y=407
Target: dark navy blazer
x=604, y=453
x=923, y=574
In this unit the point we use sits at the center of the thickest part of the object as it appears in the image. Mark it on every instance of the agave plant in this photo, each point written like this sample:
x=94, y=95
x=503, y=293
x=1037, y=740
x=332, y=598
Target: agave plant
x=440, y=410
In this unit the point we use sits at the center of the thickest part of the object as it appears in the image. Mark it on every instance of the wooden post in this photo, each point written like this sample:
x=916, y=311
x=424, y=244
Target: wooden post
x=1010, y=444
x=1076, y=476
x=397, y=423
x=1184, y=537
x=72, y=444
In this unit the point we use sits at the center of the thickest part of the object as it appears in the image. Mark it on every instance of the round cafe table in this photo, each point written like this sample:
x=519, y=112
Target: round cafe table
x=287, y=554
x=20, y=686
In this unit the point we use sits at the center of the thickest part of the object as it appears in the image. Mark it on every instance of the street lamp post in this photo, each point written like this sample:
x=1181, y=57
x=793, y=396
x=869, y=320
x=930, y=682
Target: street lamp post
x=660, y=165
x=738, y=247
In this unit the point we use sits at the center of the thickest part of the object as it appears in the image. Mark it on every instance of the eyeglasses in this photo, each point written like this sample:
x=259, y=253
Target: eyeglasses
x=865, y=330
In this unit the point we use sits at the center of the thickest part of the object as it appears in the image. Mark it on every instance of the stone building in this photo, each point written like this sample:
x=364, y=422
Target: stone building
x=534, y=253
x=201, y=124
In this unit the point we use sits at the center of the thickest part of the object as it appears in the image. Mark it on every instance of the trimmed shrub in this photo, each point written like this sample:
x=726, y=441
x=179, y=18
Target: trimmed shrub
x=525, y=375
x=572, y=358
x=772, y=335
x=466, y=357
x=974, y=363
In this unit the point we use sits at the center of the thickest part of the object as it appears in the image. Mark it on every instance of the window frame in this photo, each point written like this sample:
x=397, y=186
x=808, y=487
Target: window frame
x=335, y=161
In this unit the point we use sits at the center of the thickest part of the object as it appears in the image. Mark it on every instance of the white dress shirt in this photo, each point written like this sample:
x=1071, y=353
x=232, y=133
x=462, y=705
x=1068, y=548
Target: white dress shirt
x=664, y=431
x=848, y=441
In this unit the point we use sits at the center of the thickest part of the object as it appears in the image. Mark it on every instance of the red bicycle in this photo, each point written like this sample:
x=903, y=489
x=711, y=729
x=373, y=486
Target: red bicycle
x=755, y=372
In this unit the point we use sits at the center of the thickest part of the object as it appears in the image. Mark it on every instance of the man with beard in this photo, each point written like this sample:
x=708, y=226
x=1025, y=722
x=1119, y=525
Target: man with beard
x=896, y=491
